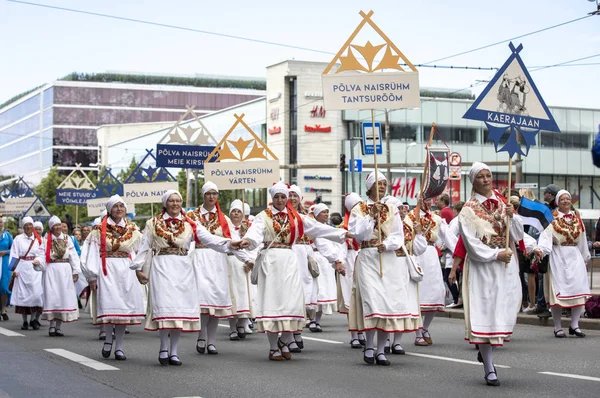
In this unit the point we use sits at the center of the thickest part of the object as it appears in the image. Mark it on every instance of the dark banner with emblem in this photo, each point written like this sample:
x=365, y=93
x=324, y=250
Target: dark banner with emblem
x=436, y=173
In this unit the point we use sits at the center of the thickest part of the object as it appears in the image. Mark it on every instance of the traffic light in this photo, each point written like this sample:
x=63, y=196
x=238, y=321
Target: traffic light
x=343, y=164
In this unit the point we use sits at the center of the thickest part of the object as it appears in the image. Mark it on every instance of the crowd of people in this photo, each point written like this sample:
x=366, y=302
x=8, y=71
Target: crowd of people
x=384, y=265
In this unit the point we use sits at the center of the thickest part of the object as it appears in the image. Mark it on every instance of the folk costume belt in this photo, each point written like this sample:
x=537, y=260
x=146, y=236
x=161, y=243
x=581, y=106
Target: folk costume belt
x=60, y=260
x=201, y=246
x=176, y=251
x=117, y=254
x=568, y=244
x=277, y=245
x=28, y=258
x=369, y=243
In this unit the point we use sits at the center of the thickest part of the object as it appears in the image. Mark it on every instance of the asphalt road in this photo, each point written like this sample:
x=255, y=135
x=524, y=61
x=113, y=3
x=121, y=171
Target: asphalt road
x=327, y=368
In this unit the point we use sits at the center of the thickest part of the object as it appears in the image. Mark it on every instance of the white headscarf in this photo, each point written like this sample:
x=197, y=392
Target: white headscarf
x=280, y=187
x=246, y=209
x=391, y=200
x=236, y=204
x=250, y=218
x=97, y=221
x=38, y=224
x=209, y=186
x=321, y=207
x=351, y=200
x=559, y=194
x=371, y=178
x=27, y=220
x=167, y=194
x=476, y=168
x=113, y=201
x=52, y=222
x=295, y=188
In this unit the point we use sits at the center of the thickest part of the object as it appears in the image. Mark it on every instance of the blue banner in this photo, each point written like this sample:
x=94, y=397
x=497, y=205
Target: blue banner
x=77, y=197
x=183, y=156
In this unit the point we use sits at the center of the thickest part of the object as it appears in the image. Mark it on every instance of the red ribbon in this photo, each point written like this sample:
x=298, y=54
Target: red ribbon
x=351, y=242
x=223, y=222
x=37, y=236
x=294, y=218
x=48, y=247
x=103, y=244
x=192, y=224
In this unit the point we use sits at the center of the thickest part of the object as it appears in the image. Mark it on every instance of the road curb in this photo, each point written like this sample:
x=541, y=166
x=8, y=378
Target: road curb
x=522, y=319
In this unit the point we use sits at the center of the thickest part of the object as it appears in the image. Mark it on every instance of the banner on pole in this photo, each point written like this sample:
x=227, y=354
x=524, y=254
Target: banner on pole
x=147, y=193
x=76, y=189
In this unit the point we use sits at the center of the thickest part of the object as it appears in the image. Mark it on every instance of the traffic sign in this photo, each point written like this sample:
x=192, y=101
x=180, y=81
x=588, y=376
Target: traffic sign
x=357, y=167
x=454, y=173
x=455, y=159
x=371, y=139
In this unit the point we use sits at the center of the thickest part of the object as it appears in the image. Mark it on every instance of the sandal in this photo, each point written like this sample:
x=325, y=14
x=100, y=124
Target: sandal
x=106, y=353
x=199, y=348
x=319, y=328
x=420, y=341
x=241, y=332
x=312, y=326
x=355, y=343
x=273, y=357
x=299, y=343
x=427, y=337
x=233, y=336
x=213, y=351
x=287, y=355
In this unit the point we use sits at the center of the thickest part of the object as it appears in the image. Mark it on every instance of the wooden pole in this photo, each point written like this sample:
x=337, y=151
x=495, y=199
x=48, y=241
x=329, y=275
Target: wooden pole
x=376, y=187
x=76, y=214
x=247, y=277
x=508, y=216
x=151, y=209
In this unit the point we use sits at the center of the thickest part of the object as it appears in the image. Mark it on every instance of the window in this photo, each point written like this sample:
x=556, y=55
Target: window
x=70, y=157
x=75, y=136
x=563, y=140
x=452, y=134
x=20, y=111
x=403, y=132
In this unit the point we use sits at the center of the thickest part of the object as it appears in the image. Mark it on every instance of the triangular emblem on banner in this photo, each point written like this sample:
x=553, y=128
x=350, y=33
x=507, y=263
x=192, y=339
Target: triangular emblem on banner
x=146, y=171
x=77, y=179
x=37, y=209
x=188, y=135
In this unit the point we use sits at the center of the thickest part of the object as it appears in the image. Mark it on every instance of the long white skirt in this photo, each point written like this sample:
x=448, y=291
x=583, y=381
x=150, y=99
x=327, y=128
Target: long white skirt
x=212, y=278
x=309, y=284
x=327, y=287
x=381, y=303
x=173, y=299
x=432, y=290
x=27, y=290
x=280, y=297
x=566, y=283
x=60, y=299
x=344, y=283
x=119, y=298
x=239, y=283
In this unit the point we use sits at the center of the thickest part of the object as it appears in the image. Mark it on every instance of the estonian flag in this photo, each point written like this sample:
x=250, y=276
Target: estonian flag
x=536, y=214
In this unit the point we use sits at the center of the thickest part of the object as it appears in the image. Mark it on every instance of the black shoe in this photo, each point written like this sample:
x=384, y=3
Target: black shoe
x=241, y=332
x=493, y=383
x=363, y=341
x=398, y=350
x=479, y=357
x=36, y=324
x=52, y=332
x=369, y=360
x=233, y=336
x=382, y=362
x=577, y=332
x=313, y=327
x=293, y=347
x=354, y=343
x=127, y=331
x=560, y=334
x=25, y=326
x=198, y=348
x=213, y=351
x=59, y=333
x=106, y=353
x=300, y=343
x=5, y=317
x=120, y=355
x=174, y=360
x=102, y=336
x=163, y=361
x=387, y=349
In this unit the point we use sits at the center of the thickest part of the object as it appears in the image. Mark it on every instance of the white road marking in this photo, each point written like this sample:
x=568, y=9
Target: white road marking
x=414, y=354
x=80, y=359
x=571, y=376
x=10, y=333
x=322, y=340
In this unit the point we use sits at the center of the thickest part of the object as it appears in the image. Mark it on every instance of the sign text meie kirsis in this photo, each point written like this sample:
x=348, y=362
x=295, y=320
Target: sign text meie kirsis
x=182, y=156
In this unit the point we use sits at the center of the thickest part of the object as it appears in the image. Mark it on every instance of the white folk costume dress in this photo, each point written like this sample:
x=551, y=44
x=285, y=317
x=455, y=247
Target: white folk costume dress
x=491, y=290
x=566, y=282
x=432, y=289
x=304, y=250
x=173, y=292
x=119, y=299
x=28, y=291
x=211, y=267
x=416, y=245
x=345, y=282
x=239, y=279
x=58, y=265
x=380, y=303
x=280, y=297
x=327, y=252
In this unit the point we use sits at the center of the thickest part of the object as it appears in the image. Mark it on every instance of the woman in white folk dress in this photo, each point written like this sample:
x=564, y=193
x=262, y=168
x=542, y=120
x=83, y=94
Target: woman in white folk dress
x=379, y=303
x=330, y=257
x=432, y=289
x=345, y=282
x=106, y=260
x=173, y=298
x=239, y=278
x=566, y=283
x=303, y=250
x=211, y=270
x=280, y=298
x=27, y=292
x=491, y=284
x=60, y=268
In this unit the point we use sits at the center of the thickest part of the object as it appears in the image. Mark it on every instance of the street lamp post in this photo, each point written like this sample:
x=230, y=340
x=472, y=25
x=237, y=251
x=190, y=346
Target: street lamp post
x=406, y=170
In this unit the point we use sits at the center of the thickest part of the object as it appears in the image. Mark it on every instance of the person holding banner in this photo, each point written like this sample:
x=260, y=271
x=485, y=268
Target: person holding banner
x=331, y=258
x=566, y=282
x=6, y=242
x=380, y=301
x=304, y=252
x=163, y=260
x=491, y=284
x=60, y=267
x=106, y=261
x=212, y=271
x=432, y=289
x=240, y=293
x=280, y=298
x=27, y=292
